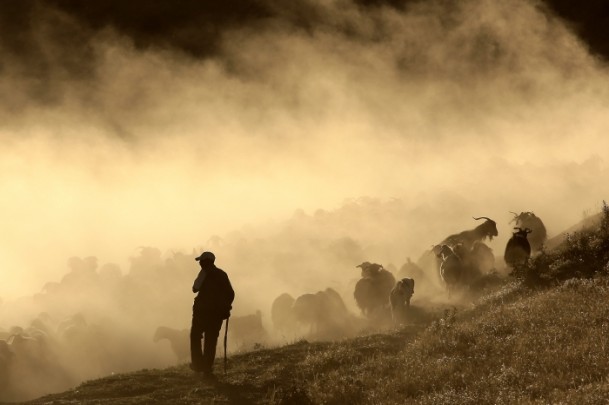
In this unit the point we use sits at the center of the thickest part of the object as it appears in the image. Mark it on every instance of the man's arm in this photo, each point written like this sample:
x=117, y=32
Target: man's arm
x=228, y=295
x=198, y=282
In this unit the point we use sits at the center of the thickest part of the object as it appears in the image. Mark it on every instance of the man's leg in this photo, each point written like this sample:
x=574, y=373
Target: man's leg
x=196, y=354
x=212, y=331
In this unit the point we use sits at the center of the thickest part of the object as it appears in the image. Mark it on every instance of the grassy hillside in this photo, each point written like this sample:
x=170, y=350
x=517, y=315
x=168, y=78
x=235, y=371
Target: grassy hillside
x=518, y=345
x=542, y=337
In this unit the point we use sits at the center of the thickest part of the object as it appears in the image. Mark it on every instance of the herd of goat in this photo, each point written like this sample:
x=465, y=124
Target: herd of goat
x=460, y=263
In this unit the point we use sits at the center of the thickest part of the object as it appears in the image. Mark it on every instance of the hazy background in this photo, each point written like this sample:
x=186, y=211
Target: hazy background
x=293, y=140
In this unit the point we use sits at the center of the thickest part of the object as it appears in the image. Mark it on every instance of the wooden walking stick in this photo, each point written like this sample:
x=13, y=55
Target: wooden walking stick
x=225, y=338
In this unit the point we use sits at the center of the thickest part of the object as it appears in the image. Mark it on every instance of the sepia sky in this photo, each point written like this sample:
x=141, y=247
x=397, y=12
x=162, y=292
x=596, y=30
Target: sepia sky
x=128, y=124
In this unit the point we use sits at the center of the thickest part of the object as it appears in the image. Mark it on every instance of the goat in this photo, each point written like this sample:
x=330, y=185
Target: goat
x=372, y=290
x=535, y=224
x=518, y=248
x=281, y=314
x=483, y=257
x=411, y=270
x=247, y=331
x=323, y=313
x=399, y=299
x=451, y=267
x=179, y=341
x=487, y=229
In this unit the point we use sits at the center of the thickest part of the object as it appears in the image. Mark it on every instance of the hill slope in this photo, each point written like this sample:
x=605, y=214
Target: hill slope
x=541, y=338
x=517, y=345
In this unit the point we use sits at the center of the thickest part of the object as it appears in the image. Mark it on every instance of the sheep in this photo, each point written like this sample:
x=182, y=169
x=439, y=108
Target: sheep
x=518, y=248
x=469, y=267
x=399, y=299
x=281, y=314
x=368, y=268
x=410, y=270
x=179, y=340
x=82, y=274
x=308, y=310
x=35, y=359
x=451, y=267
x=324, y=314
x=365, y=295
x=247, y=331
x=429, y=263
x=483, y=257
x=338, y=321
x=335, y=304
x=373, y=289
x=71, y=324
x=244, y=333
x=81, y=339
x=478, y=267
x=25, y=345
x=43, y=322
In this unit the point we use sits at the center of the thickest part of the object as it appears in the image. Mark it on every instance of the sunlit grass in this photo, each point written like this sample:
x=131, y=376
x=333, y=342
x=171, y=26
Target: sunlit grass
x=539, y=338
x=519, y=346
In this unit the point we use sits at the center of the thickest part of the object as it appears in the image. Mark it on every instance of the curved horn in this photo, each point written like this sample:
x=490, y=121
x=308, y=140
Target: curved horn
x=512, y=212
x=487, y=218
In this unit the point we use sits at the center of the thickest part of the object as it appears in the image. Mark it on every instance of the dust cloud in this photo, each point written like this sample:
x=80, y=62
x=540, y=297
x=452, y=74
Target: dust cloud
x=294, y=152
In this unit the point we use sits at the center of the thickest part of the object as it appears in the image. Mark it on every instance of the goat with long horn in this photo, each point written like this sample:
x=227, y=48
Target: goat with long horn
x=487, y=229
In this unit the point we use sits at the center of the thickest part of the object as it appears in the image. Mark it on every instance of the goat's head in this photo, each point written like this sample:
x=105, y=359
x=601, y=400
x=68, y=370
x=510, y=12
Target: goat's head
x=488, y=229
x=521, y=233
x=407, y=284
x=443, y=251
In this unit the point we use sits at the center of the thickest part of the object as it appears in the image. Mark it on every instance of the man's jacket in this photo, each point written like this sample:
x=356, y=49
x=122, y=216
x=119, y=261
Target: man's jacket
x=215, y=296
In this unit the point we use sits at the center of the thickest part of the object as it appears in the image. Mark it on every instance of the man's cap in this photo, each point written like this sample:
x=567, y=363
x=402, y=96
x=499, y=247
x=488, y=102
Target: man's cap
x=363, y=265
x=206, y=256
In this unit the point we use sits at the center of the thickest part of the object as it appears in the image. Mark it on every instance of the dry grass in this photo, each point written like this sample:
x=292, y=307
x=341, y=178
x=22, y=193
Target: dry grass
x=518, y=344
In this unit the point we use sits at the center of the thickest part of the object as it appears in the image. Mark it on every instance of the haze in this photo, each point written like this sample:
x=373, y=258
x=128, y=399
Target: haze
x=378, y=129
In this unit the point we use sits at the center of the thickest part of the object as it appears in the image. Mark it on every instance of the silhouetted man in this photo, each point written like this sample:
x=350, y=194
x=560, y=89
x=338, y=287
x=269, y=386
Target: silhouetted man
x=212, y=305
